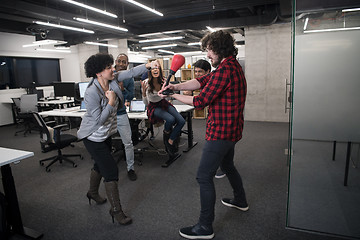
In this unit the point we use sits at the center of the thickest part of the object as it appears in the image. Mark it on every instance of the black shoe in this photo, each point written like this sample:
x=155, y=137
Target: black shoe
x=132, y=175
x=231, y=203
x=197, y=232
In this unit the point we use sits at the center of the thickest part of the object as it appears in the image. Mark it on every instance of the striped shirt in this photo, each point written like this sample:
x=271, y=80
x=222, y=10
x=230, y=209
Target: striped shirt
x=224, y=91
x=107, y=129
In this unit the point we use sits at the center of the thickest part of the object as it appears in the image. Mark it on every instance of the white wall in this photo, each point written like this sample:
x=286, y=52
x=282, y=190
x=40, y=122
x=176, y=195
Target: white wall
x=267, y=65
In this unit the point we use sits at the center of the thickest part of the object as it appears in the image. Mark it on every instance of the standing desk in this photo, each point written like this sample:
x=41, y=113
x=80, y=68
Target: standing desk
x=13, y=212
x=74, y=112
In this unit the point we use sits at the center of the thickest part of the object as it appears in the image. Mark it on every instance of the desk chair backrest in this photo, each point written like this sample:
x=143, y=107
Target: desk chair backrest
x=28, y=103
x=46, y=133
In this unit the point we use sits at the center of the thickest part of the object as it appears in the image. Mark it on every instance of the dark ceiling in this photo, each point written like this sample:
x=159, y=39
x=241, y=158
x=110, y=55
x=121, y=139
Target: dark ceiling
x=190, y=16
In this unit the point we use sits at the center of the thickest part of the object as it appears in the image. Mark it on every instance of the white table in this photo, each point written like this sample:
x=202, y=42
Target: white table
x=181, y=108
x=13, y=215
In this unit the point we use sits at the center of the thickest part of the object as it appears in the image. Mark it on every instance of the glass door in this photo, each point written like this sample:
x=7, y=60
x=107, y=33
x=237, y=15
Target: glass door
x=324, y=136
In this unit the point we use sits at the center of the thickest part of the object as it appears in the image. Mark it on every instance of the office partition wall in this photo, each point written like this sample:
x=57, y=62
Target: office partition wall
x=324, y=179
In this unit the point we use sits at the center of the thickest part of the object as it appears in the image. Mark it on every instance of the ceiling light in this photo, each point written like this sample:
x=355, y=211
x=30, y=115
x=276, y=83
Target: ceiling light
x=306, y=23
x=351, y=10
x=145, y=7
x=165, y=51
x=159, y=33
x=64, y=27
x=191, y=53
x=52, y=50
x=210, y=29
x=44, y=42
x=101, y=44
x=332, y=30
x=161, y=39
x=100, y=24
x=91, y=8
x=160, y=46
x=194, y=43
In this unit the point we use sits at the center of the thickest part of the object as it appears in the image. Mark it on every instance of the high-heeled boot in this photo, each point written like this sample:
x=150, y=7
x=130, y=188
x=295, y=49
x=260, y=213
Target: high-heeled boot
x=115, y=211
x=93, y=193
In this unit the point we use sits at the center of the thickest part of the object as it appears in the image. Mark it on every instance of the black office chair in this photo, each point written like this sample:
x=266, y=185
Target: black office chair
x=53, y=139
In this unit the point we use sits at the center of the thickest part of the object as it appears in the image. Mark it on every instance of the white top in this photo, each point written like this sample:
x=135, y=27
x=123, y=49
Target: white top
x=9, y=155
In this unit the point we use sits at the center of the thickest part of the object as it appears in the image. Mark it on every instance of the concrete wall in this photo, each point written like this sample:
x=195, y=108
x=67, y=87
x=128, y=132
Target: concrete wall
x=267, y=65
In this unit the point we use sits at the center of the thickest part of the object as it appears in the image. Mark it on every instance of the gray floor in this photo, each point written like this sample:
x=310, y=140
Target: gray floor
x=162, y=200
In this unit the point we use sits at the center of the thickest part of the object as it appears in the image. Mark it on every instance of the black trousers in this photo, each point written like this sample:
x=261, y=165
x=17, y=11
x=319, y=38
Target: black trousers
x=104, y=164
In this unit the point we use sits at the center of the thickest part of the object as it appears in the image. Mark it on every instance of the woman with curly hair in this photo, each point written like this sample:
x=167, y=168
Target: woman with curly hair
x=103, y=97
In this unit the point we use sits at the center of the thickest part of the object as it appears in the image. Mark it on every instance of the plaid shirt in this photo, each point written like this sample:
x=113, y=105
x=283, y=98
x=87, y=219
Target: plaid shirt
x=224, y=91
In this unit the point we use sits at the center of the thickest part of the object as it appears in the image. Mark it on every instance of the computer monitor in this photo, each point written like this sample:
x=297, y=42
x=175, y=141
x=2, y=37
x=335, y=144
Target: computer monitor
x=64, y=89
x=82, y=89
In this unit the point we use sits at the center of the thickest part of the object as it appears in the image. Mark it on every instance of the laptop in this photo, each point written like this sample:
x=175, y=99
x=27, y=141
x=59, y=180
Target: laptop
x=137, y=106
x=82, y=107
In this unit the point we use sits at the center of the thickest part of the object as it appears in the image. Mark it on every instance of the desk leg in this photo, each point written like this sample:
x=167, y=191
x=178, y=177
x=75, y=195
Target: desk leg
x=190, y=133
x=13, y=214
x=348, y=154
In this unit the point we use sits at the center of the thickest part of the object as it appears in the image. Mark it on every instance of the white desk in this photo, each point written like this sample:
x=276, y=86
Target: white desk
x=13, y=215
x=57, y=102
x=74, y=112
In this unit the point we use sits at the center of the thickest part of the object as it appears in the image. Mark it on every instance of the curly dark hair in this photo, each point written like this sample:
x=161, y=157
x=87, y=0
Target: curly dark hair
x=151, y=80
x=97, y=63
x=203, y=64
x=221, y=42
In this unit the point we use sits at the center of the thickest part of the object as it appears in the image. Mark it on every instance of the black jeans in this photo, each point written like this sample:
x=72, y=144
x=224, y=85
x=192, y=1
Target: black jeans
x=217, y=153
x=104, y=164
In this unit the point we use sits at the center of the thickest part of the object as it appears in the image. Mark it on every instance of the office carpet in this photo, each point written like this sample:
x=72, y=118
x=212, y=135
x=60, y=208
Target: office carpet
x=162, y=200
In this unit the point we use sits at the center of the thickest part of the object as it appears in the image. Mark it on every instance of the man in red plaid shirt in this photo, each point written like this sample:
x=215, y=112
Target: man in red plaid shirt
x=224, y=91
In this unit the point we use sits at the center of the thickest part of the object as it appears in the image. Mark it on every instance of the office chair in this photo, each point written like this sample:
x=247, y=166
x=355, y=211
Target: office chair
x=53, y=139
x=23, y=112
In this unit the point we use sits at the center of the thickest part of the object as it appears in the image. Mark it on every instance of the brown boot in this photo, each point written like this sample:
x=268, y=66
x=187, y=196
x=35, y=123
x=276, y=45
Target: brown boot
x=116, y=212
x=93, y=192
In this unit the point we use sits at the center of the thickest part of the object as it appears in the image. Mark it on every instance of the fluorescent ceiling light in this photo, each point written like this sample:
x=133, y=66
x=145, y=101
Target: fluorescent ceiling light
x=351, y=10
x=160, y=46
x=332, y=30
x=64, y=27
x=166, y=51
x=161, y=39
x=100, y=24
x=101, y=44
x=91, y=8
x=44, y=42
x=191, y=53
x=210, y=29
x=145, y=7
x=62, y=48
x=239, y=46
x=306, y=23
x=194, y=43
x=159, y=33
x=52, y=50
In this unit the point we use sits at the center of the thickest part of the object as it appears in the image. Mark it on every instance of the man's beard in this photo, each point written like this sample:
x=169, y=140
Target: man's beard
x=215, y=63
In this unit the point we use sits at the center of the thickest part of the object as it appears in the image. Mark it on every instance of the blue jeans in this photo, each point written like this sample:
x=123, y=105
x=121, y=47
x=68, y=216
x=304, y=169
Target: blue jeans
x=172, y=117
x=217, y=153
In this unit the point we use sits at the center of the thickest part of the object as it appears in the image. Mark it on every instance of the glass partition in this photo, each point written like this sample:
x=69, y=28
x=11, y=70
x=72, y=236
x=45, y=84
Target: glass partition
x=324, y=170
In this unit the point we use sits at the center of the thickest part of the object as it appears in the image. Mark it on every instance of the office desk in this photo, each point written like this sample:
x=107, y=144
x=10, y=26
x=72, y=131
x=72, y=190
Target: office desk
x=13, y=215
x=56, y=102
x=187, y=109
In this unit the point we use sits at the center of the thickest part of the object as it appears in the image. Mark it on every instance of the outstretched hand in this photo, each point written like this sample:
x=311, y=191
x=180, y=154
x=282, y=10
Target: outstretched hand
x=170, y=86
